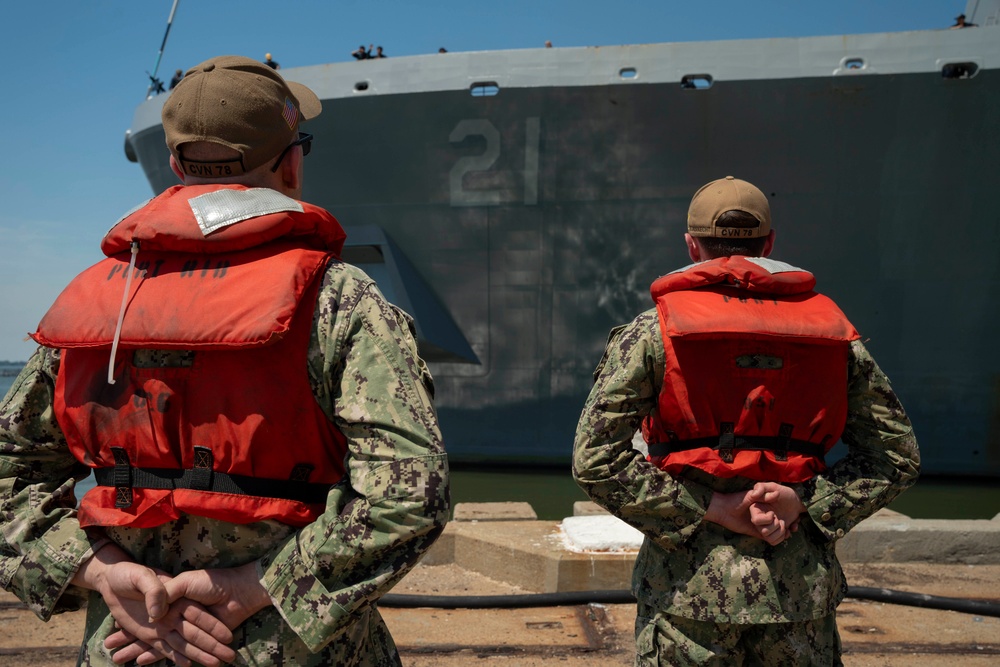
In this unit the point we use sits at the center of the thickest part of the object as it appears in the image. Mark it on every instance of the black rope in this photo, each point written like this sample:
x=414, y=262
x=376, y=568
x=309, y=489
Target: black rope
x=518, y=601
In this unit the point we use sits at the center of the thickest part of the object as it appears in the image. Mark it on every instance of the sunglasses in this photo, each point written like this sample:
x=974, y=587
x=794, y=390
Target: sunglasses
x=304, y=140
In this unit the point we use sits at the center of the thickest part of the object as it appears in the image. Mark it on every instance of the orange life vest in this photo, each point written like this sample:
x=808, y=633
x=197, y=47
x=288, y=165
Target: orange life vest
x=237, y=435
x=756, y=371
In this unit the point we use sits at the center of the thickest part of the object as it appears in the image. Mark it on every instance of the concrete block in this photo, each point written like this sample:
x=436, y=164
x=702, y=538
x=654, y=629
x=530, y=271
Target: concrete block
x=533, y=556
x=595, y=571
x=522, y=553
x=494, y=512
x=588, y=508
x=443, y=550
x=897, y=538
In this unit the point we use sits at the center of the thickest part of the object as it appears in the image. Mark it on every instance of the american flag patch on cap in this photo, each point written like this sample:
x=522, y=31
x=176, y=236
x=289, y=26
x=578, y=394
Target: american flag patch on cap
x=290, y=113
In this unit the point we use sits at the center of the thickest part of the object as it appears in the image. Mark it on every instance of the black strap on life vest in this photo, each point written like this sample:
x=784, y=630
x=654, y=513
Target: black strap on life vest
x=125, y=477
x=727, y=443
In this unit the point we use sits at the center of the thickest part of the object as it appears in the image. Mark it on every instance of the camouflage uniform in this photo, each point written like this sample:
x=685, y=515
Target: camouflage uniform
x=698, y=573
x=324, y=579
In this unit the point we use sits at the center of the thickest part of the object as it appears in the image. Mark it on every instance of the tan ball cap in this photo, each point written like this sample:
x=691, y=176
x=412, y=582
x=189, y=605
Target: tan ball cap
x=236, y=102
x=728, y=194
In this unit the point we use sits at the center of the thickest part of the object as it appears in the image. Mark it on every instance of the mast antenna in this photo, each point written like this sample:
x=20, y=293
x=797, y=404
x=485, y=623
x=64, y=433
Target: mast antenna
x=155, y=83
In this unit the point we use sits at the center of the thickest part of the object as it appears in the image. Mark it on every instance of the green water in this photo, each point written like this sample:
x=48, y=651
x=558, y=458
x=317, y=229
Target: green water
x=552, y=494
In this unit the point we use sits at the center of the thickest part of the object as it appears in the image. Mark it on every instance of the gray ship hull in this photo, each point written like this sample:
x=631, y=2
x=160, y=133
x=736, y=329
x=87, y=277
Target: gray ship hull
x=520, y=227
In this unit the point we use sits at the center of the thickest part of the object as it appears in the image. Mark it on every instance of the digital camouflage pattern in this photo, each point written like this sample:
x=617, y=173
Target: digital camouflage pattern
x=325, y=578
x=682, y=642
x=702, y=571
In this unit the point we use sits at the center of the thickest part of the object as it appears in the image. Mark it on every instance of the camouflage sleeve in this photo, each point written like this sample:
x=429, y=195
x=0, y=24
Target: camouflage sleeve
x=372, y=383
x=616, y=476
x=41, y=543
x=882, y=460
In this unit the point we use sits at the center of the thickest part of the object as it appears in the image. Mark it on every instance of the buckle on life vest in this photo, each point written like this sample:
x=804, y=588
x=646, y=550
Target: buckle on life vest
x=201, y=473
x=301, y=472
x=782, y=442
x=122, y=478
x=727, y=441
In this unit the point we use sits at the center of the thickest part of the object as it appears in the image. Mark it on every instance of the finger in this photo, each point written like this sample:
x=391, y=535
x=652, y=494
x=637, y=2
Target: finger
x=772, y=495
x=164, y=641
x=202, y=643
x=119, y=639
x=778, y=534
x=767, y=488
x=177, y=588
x=155, y=654
x=175, y=648
x=148, y=583
x=148, y=658
x=204, y=657
x=183, y=642
x=207, y=623
x=161, y=636
x=132, y=651
x=193, y=632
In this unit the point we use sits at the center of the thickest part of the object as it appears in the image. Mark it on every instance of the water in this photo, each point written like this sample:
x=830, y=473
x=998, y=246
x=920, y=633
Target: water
x=8, y=372
x=552, y=492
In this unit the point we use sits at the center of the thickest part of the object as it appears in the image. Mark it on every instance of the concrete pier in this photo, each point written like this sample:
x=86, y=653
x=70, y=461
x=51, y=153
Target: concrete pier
x=537, y=556
x=501, y=548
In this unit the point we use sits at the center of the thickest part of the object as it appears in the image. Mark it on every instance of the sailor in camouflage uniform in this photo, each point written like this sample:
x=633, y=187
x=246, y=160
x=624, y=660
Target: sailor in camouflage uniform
x=740, y=514
x=227, y=554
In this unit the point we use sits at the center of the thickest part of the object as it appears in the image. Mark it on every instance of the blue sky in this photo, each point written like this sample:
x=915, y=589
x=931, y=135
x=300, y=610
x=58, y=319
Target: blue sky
x=76, y=69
